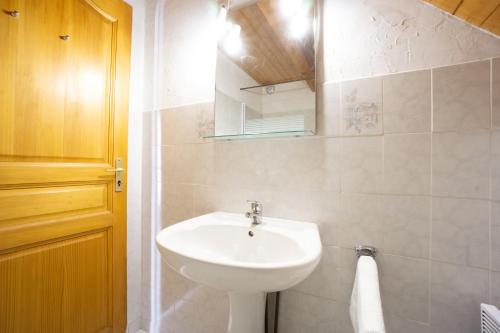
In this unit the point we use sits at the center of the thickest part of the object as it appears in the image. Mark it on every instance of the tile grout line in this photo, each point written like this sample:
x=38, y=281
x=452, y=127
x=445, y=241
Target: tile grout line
x=423, y=69
x=317, y=189
x=342, y=302
x=491, y=94
x=490, y=239
x=383, y=203
x=383, y=149
x=342, y=148
x=431, y=191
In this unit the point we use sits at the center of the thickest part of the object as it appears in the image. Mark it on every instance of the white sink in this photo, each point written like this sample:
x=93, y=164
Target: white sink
x=217, y=250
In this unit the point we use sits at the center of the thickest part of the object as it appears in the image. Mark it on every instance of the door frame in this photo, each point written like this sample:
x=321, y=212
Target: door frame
x=121, y=14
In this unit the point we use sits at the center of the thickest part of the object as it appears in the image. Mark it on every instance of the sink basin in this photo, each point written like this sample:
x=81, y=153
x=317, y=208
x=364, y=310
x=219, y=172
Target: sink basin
x=224, y=251
x=217, y=250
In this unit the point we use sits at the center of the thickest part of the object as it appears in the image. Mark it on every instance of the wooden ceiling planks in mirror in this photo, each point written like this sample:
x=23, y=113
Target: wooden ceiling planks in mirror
x=269, y=57
x=482, y=13
x=301, y=53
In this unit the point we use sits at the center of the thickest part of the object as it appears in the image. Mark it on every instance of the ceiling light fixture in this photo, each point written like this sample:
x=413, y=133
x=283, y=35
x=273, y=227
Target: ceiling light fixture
x=221, y=21
x=296, y=13
x=299, y=26
x=289, y=8
x=232, y=42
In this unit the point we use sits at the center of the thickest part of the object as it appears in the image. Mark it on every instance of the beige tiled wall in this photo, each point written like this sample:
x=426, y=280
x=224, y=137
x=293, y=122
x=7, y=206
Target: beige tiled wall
x=417, y=175
x=414, y=172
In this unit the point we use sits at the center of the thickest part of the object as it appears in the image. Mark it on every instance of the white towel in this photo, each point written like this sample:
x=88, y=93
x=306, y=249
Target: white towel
x=366, y=306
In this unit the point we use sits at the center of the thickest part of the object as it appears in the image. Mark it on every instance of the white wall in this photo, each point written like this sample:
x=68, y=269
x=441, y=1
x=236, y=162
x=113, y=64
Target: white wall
x=134, y=209
x=365, y=38
x=188, y=52
x=230, y=78
x=288, y=97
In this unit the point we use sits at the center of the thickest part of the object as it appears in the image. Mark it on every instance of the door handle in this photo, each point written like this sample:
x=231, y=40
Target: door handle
x=118, y=170
x=115, y=170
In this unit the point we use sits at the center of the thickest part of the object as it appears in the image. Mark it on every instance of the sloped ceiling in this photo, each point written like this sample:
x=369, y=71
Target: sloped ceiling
x=482, y=13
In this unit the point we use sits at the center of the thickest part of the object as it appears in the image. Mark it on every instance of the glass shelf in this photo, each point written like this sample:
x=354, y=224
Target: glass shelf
x=260, y=135
x=277, y=84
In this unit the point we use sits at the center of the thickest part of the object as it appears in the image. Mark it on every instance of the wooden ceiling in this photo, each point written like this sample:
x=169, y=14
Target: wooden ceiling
x=482, y=13
x=269, y=56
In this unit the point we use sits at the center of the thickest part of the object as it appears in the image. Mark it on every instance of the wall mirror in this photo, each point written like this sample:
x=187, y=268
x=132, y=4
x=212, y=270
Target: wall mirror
x=266, y=77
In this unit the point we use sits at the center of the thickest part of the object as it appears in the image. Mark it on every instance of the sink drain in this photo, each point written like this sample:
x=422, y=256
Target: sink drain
x=250, y=233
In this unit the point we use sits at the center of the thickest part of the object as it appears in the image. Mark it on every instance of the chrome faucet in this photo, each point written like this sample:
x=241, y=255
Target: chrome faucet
x=256, y=212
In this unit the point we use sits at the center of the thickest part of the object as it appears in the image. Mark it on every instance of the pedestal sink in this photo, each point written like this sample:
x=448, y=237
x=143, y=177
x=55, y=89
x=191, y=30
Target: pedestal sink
x=224, y=251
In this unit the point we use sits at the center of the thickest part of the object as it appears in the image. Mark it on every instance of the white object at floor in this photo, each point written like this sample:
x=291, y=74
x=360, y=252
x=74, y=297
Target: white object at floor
x=490, y=319
x=366, y=305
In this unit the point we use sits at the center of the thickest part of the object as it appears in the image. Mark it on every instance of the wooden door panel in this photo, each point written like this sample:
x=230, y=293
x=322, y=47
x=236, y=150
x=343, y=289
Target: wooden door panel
x=47, y=202
x=39, y=80
x=77, y=268
x=36, y=214
x=25, y=234
x=21, y=173
x=63, y=110
x=8, y=36
x=90, y=66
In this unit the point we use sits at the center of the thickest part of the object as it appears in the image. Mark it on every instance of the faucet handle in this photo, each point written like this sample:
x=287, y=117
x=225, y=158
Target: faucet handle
x=256, y=206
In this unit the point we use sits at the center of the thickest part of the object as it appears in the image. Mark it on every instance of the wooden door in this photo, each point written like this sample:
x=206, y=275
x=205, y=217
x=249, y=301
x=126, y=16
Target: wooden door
x=63, y=122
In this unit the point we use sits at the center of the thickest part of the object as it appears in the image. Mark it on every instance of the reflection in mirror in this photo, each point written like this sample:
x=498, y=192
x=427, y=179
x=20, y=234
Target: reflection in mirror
x=265, y=80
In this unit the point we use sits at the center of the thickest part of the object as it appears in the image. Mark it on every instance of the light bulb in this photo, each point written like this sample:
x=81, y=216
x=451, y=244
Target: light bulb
x=299, y=26
x=290, y=7
x=221, y=22
x=232, y=43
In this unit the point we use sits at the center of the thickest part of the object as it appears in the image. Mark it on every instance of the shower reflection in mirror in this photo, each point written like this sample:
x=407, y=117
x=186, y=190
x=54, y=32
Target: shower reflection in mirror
x=265, y=79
